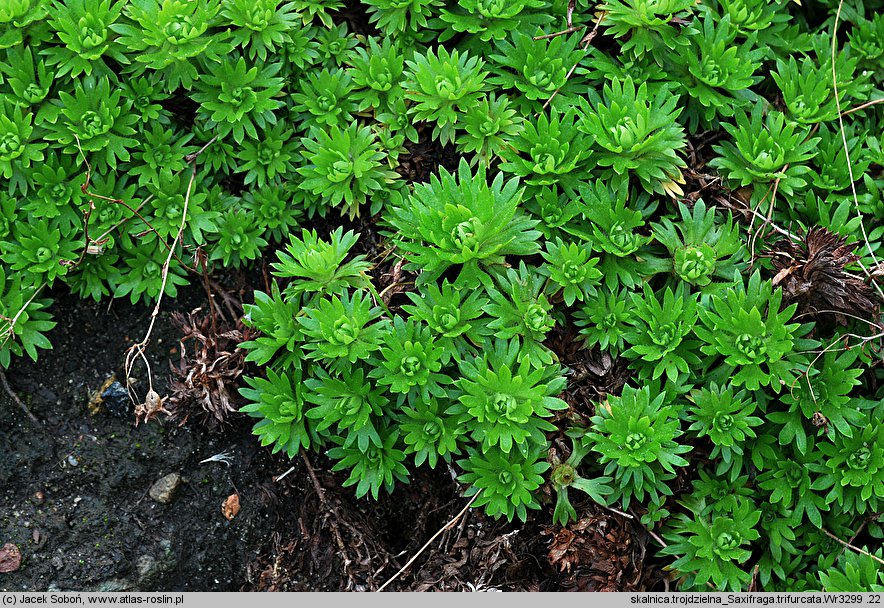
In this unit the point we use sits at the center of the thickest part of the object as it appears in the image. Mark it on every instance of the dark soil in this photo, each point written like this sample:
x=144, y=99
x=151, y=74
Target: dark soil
x=75, y=486
x=76, y=499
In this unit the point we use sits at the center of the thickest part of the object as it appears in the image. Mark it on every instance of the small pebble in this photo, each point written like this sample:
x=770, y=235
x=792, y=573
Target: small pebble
x=164, y=488
x=73, y=461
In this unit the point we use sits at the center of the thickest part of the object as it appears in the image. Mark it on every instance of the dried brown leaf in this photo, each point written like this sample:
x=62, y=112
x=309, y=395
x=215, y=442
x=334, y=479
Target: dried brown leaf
x=812, y=275
x=230, y=506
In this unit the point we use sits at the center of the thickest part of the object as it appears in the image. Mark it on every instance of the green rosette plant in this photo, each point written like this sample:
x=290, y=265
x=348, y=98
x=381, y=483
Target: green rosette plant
x=867, y=40
x=718, y=72
x=455, y=316
x=635, y=438
x=160, y=156
x=821, y=395
x=147, y=98
x=30, y=81
x=410, y=362
x=764, y=19
x=377, y=73
x=277, y=206
x=807, y=91
x=95, y=120
x=636, y=133
x=442, y=86
x=300, y=52
x=660, y=334
x=714, y=549
x=792, y=482
x=279, y=337
x=239, y=239
x=24, y=320
x=175, y=205
x=345, y=166
x=746, y=326
x=317, y=267
x=488, y=20
x=260, y=26
x=538, y=68
x=505, y=482
x=549, y=150
x=571, y=268
x=505, y=401
x=324, y=99
x=565, y=476
x=649, y=26
x=311, y=10
x=727, y=419
x=141, y=275
x=396, y=119
x=271, y=156
x=854, y=468
x=459, y=219
x=16, y=16
x=606, y=320
x=278, y=402
x=616, y=232
x=19, y=146
x=341, y=329
x=165, y=38
x=348, y=405
x=84, y=28
x=701, y=248
x=520, y=309
x=376, y=467
x=334, y=46
x=559, y=214
x=489, y=126
x=855, y=571
x=429, y=433
x=237, y=99
x=766, y=148
x=406, y=18
x=39, y=252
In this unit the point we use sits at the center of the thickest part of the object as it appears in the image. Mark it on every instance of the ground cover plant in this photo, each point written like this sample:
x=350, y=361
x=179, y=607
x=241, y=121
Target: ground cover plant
x=692, y=189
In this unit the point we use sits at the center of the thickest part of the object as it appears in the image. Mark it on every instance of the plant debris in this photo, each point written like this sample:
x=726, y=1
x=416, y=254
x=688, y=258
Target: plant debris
x=812, y=274
x=597, y=553
x=206, y=379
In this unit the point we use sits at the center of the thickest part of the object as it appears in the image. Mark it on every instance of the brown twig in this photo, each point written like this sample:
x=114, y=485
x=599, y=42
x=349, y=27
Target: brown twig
x=15, y=398
x=9, y=331
x=862, y=106
x=336, y=532
x=193, y=155
x=863, y=340
x=755, y=214
x=849, y=546
x=585, y=42
x=568, y=30
x=202, y=260
x=450, y=523
x=855, y=534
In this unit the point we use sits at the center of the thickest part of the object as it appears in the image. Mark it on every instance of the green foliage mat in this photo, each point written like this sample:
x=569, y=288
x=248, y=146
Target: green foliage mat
x=690, y=189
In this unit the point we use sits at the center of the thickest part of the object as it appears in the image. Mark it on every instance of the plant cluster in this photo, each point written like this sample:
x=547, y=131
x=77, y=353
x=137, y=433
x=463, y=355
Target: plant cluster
x=601, y=153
